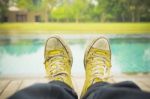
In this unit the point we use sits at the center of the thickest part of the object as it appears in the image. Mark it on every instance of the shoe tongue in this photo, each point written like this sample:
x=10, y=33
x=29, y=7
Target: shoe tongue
x=101, y=52
x=54, y=53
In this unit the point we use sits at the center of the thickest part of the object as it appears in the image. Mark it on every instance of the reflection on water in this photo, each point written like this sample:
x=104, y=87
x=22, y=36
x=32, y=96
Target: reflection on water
x=19, y=47
x=25, y=56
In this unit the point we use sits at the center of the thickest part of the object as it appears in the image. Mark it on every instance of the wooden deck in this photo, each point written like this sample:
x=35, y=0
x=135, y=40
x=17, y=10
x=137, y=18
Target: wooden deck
x=8, y=86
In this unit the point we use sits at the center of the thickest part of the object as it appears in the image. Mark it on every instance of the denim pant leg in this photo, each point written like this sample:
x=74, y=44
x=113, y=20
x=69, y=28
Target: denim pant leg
x=51, y=90
x=122, y=90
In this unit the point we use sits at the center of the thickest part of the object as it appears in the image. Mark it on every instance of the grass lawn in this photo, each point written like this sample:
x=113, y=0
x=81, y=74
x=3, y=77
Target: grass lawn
x=105, y=28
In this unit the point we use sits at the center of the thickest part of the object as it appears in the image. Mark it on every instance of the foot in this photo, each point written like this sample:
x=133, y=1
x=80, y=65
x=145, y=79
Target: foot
x=58, y=60
x=97, y=61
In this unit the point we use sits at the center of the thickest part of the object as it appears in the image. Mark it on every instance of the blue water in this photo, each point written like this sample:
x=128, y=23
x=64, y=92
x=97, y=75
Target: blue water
x=21, y=57
x=132, y=54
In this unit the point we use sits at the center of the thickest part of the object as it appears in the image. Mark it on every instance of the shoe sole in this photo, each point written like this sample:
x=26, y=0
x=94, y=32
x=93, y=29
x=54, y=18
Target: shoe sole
x=91, y=44
x=64, y=44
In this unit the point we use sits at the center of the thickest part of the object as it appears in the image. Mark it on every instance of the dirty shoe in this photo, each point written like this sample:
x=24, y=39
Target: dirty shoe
x=58, y=60
x=97, y=62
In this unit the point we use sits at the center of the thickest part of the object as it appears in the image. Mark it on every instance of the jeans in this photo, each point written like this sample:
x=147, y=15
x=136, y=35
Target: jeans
x=103, y=90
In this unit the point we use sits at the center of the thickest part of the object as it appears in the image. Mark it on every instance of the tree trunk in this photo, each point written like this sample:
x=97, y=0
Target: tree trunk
x=132, y=16
x=46, y=15
x=123, y=17
x=103, y=17
x=77, y=19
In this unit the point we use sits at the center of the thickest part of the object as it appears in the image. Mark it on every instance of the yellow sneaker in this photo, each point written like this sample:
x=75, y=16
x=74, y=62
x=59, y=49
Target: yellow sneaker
x=58, y=60
x=97, y=62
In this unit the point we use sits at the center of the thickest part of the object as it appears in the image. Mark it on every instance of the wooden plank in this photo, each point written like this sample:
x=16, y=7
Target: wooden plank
x=141, y=80
x=3, y=85
x=136, y=81
x=10, y=89
x=26, y=83
x=78, y=82
x=43, y=80
x=29, y=82
x=146, y=81
x=141, y=85
x=111, y=79
x=146, y=85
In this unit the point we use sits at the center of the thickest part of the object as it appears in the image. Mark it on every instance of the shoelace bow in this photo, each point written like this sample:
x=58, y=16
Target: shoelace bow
x=57, y=66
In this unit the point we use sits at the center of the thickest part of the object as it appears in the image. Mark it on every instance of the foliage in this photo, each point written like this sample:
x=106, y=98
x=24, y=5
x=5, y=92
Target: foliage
x=30, y=5
x=3, y=9
x=88, y=10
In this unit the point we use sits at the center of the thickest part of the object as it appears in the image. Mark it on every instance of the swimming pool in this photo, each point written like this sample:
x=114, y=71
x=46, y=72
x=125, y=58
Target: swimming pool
x=24, y=56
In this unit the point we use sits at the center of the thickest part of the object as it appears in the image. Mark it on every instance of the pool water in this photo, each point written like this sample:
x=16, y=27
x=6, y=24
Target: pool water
x=24, y=57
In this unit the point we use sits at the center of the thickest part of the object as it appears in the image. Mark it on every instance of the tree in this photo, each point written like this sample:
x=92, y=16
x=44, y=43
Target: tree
x=69, y=10
x=78, y=8
x=48, y=6
x=3, y=9
x=61, y=12
x=84, y=10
